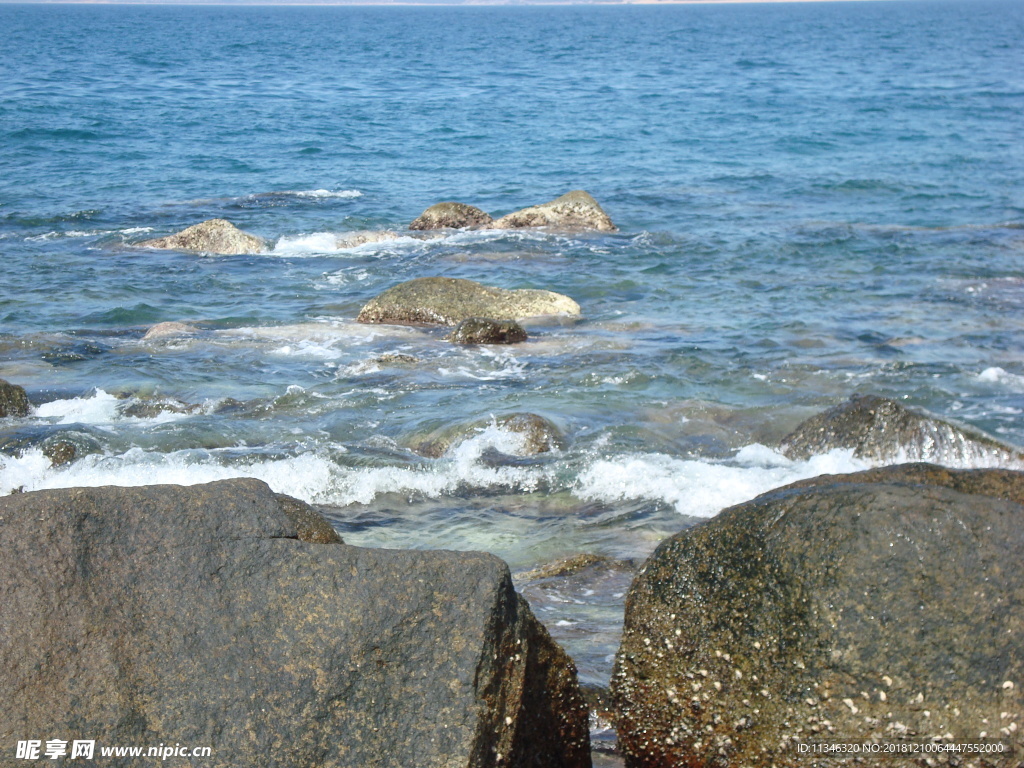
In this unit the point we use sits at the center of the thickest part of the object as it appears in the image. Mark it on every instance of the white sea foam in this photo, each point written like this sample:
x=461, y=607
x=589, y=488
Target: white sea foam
x=343, y=243
x=313, y=477
x=102, y=408
x=702, y=488
x=324, y=193
x=994, y=375
x=306, y=245
x=98, y=408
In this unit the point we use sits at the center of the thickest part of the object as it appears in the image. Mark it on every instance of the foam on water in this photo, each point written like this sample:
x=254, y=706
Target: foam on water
x=324, y=193
x=98, y=408
x=702, y=488
x=336, y=243
x=995, y=375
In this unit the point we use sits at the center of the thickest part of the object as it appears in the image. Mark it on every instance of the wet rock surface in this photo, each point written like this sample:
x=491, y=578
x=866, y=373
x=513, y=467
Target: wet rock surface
x=229, y=616
x=13, y=400
x=449, y=301
x=172, y=329
x=880, y=429
x=539, y=435
x=451, y=215
x=878, y=606
x=575, y=210
x=218, y=236
x=484, y=330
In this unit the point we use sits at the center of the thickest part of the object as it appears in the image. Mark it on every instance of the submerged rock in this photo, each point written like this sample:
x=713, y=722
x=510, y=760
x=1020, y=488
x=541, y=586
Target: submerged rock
x=355, y=239
x=396, y=358
x=875, y=606
x=451, y=216
x=214, y=236
x=449, y=301
x=484, y=330
x=171, y=329
x=880, y=429
x=227, y=616
x=572, y=211
x=60, y=452
x=13, y=400
x=539, y=435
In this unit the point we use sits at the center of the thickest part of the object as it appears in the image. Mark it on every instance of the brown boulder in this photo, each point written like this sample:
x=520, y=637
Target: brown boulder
x=214, y=236
x=575, y=210
x=451, y=216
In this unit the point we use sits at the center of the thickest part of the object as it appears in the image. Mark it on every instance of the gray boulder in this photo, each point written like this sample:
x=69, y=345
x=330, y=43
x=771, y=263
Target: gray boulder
x=214, y=236
x=880, y=429
x=449, y=301
x=877, y=606
x=451, y=216
x=575, y=210
x=13, y=400
x=227, y=616
x=484, y=330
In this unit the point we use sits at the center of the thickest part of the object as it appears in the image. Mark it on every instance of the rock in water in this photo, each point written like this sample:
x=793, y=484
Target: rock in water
x=362, y=237
x=539, y=435
x=573, y=211
x=880, y=429
x=881, y=605
x=214, y=236
x=224, y=615
x=449, y=301
x=483, y=330
x=13, y=400
x=171, y=329
x=451, y=216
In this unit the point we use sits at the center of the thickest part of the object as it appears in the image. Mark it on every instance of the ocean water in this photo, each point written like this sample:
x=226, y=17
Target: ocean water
x=813, y=200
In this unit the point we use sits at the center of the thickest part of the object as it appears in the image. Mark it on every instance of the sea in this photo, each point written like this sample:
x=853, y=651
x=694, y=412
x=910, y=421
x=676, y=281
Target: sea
x=813, y=200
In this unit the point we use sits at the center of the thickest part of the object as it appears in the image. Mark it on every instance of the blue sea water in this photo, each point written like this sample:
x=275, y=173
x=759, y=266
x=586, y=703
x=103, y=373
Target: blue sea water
x=813, y=200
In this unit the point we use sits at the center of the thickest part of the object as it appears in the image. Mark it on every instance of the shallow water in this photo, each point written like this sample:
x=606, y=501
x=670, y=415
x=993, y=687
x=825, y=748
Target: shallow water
x=813, y=201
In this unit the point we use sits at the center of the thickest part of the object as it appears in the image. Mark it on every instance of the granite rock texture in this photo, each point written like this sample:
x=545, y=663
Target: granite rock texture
x=575, y=210
x=484, y=330
x=880, y=429
x=228, y=616
x=218, y=236
x=883, y=606
x=449, y=301
x=13, y=400
x=451, y=216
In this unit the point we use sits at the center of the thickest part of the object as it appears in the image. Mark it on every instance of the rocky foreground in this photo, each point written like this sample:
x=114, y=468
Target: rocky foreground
x=227, y=616
x=884, y=607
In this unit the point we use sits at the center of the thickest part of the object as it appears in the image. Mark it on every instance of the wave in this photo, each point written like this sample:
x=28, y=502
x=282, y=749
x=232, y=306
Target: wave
x=362, y=242
x=996, y=375
x=692, y=487
x=102, y=408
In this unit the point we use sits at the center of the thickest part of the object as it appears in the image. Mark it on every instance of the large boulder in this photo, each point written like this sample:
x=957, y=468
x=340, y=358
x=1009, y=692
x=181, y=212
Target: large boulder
x=449, y=301
x=451, y=216
x=214, y=236
x=872, y=607
x=879, y=429
x=572, y=211
x=484, y=330
x=227, y=616
x=13, y=400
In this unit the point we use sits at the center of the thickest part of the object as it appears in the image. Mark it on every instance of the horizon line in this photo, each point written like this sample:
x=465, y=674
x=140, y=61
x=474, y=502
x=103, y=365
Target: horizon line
x=442, y=4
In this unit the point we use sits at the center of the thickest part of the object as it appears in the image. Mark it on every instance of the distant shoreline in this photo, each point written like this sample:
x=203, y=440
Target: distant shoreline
x=468, y=4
